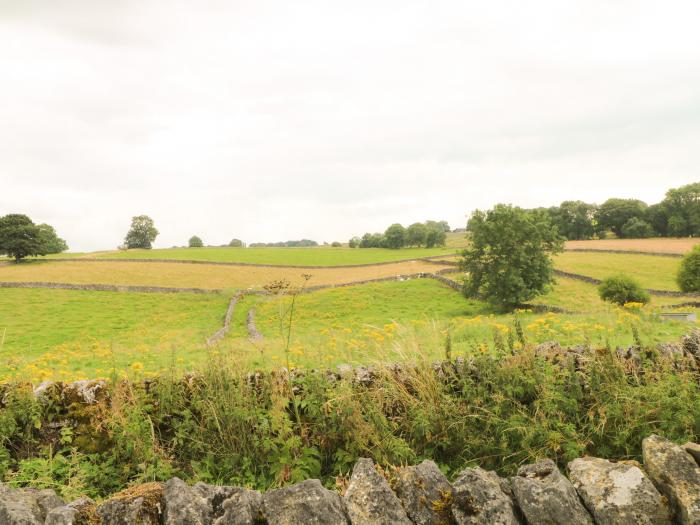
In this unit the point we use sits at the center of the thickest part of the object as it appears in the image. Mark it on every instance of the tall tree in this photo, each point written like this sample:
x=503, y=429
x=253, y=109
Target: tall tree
x=142, y=232
x=509, y=260
x=613, y=214
x=574, y=219
x=436, y=235
x=395, y=236
x=682, y=205
x=20, y=237
x=416, y=234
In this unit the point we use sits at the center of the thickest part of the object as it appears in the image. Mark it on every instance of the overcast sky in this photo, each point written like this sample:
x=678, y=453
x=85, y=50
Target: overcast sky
x=279, y=120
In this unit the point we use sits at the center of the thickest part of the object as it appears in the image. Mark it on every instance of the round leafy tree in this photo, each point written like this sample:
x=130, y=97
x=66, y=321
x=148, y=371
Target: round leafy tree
x=142, y=233
x=20, y=237
x=622, y=289
x=395, y=236
x=688, y=276
x=509, y=260
x=195, y=242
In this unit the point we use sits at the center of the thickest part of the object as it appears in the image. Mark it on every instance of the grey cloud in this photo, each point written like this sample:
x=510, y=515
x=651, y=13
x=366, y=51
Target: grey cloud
x=218, y=118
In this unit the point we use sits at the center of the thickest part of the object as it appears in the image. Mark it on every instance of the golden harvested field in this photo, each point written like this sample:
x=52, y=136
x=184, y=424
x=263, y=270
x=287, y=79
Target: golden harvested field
x=660, y=245
x=206, y=276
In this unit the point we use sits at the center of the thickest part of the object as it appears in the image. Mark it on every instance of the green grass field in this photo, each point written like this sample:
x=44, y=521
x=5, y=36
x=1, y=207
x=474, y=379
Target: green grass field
x=404, y=320
x=651, y=271
x=58, y=334
x=320, y=256
x=65, y=334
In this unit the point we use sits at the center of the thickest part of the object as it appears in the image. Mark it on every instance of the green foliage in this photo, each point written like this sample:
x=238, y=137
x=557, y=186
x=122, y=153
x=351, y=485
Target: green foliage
x=224, y=426
x=428, y=234
x=574, y=219
x=142, y=233
x=682, y=207
x=677, y=226
x=20, y=237
x=302, y=243
x=622, y=289
x=236, y=243
x=51, y=242
x=336, y=244
x=195, y=242
x=436, y=234
x=508, y=261
x=637, y=228
x=395, y=237
x=372, y=240
x=613, y=214
x=688, y=276
x=416, y=234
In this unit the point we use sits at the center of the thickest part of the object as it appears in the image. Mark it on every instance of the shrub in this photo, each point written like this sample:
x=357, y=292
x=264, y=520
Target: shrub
x=622, y=289
x=688, y=277
x=236, y=243
x=336, y=244
x=195, y=242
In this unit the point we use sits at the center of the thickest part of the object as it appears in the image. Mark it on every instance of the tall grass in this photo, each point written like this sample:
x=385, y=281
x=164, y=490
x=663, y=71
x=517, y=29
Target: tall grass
x=266, y=429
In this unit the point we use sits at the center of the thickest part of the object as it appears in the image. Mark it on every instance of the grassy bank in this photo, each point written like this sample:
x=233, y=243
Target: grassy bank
x=222, y=426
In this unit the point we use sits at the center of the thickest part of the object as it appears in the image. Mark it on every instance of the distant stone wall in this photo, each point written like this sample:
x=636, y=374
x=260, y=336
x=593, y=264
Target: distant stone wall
x=664, y=490
x=104, y=287
x=431, y=258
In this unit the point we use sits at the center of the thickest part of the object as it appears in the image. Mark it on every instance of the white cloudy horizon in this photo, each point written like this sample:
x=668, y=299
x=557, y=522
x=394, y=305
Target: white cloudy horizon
x=270, y=121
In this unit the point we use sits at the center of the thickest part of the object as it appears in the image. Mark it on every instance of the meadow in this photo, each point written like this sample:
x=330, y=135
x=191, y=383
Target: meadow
x=398, y=321
x=651, y=271
x=60, y=334
x=68, y=335
x=314, y=256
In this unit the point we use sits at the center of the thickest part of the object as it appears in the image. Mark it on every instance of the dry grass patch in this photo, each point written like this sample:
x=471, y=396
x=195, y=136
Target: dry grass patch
x=659, y=245
x=196, y=275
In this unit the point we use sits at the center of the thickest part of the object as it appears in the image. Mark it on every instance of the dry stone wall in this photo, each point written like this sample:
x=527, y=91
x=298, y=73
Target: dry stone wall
x=662, y=491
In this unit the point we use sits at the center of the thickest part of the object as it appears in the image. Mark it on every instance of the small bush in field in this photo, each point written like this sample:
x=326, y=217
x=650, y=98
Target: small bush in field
x=688, y=277
x=622, y=289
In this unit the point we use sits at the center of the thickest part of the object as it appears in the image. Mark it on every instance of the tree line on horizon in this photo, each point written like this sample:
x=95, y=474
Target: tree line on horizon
x=678, y=215
x=428, y=234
